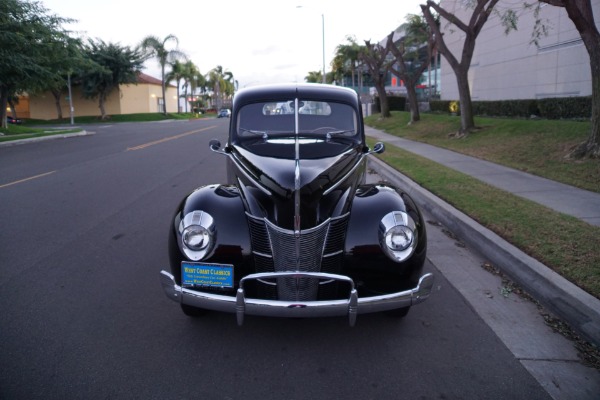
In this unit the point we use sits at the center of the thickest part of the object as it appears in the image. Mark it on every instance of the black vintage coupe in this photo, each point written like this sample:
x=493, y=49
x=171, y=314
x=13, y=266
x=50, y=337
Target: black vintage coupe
x=296, y=231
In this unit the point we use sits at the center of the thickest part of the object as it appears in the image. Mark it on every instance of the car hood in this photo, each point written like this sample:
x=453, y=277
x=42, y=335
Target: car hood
x=269, y=185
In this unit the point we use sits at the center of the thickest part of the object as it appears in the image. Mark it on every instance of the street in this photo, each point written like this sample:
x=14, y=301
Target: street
x=84, y=236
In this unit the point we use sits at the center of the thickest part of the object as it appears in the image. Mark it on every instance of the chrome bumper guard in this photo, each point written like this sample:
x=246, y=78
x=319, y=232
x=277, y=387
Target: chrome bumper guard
x=240, y=305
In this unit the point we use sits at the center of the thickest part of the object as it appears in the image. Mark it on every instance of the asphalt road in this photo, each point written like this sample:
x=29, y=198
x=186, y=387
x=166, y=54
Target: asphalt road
x=82, y=315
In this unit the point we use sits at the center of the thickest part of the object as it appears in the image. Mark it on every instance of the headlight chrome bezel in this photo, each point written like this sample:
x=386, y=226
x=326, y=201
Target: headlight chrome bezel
x=196, y=235
x=398, y=235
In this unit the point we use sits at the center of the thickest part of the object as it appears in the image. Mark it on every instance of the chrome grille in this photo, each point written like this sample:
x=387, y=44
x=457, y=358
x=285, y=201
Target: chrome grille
x=275, y=251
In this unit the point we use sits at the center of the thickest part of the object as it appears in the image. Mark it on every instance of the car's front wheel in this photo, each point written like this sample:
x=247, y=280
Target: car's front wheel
x=398, y=312
x=193, y=311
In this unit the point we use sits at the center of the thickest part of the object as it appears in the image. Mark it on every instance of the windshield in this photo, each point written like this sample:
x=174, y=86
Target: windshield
x=316, y=120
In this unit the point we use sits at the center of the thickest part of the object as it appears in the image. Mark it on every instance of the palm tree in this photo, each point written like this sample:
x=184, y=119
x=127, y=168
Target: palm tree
x=221, y=83
x=189, y=71
x=176, y=74
x=154, y=47
x=348, y=54
x=314, y=77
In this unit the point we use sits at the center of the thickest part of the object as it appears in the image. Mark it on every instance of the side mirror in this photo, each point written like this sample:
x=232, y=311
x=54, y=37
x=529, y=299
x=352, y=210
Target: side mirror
x=378, y=148
x=214, y=145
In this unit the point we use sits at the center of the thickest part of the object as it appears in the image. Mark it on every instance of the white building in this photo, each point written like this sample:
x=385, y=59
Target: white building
x=506, y=67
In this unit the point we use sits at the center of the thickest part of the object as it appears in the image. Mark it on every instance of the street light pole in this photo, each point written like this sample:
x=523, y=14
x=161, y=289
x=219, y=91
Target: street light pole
x=323, y=29
x=323, y=32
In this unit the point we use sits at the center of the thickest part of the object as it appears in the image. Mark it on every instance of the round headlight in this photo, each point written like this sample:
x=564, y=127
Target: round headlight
x=197, y=232
x=398, y=235
x=399, y=238
x=196, y=238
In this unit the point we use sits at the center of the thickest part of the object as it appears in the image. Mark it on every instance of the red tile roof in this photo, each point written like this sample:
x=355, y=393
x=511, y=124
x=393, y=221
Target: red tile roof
x=143, y=78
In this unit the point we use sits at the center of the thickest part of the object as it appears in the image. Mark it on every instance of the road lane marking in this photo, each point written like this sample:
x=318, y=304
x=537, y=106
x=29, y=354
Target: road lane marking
x=26, y=179
x=143, y=146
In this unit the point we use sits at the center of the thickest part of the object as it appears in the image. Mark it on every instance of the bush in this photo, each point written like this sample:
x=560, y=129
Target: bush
x=550, y=108
x=396, y=103
x=566, y=107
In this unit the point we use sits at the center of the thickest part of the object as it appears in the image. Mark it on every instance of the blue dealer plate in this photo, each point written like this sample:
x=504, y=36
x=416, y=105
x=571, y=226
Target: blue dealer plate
x=207, y=275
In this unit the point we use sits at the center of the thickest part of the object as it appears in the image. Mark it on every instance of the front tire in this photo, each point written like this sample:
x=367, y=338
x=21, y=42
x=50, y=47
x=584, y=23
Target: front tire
x=398, y=312
x=193, y=312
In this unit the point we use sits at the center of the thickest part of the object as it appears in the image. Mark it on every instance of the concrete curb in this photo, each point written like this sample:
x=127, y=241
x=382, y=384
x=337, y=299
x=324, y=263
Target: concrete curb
x=567, y=301
x=44, y=138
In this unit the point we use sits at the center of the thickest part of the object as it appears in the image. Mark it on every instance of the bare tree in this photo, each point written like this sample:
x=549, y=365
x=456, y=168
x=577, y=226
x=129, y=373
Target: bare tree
x=581, y=13
x=409, y=60
x=376, y=59
x=471, y=29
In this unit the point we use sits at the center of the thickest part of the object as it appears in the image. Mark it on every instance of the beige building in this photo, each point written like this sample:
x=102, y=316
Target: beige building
x=509, y=66
x=145, y=97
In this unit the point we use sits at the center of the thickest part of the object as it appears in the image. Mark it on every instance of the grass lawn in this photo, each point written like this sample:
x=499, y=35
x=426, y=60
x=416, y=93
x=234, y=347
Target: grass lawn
x=535, y=146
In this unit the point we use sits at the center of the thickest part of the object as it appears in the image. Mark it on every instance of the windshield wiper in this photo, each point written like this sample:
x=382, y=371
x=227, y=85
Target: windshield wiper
x=262, y=133
x=334, y=133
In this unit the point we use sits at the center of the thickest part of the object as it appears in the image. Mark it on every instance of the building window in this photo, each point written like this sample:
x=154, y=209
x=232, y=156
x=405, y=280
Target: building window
x=161, y=104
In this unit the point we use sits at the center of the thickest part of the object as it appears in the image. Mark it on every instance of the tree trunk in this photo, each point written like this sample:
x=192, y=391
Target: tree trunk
x=580, y=12
x=384, y=104
x=3, y=104
x=467, y=122
x=591, y=147
x=56, y=94
x=163, y=88
x=178, y=110
x=435, y=77
x=413, y=101
x=101, y=101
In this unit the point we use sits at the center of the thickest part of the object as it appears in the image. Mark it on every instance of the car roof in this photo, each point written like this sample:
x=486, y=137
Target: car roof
x=308, y=91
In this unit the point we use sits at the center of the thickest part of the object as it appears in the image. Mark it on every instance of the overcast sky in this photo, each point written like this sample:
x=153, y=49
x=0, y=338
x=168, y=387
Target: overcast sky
x=259, y=41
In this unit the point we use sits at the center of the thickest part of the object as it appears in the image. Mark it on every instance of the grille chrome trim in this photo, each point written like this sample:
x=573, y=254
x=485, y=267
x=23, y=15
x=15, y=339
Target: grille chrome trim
x=281, y=250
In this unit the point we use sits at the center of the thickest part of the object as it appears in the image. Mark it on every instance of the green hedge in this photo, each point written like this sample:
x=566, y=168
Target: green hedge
x=396, y=103
x=550, y=108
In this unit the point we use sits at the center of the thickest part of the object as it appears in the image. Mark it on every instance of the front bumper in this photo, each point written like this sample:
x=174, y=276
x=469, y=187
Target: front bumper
x=351, y=307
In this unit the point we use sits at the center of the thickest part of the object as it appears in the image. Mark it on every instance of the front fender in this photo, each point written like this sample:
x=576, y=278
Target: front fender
x=232, y=239
x=364, y=256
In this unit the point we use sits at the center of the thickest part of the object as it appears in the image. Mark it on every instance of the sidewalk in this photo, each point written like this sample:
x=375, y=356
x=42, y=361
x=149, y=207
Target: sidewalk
x=573, y=305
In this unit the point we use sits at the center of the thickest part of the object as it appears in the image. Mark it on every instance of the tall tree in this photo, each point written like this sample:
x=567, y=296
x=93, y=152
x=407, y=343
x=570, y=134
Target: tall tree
x=113, y=65
x=314, y=77
x=66, y=58
x=176, y=74
x=582, y=15
x=347, y=56
x=221, y=82
x=155, y=47
x=377, y=61
x=410, y=61
x=28, y=37
x=190, y=72
x=471, y=29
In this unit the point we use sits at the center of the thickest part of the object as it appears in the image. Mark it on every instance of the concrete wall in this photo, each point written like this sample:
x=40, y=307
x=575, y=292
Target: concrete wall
x=509, y=66
x=131, y=99
x=42, y=106
x=143, y=98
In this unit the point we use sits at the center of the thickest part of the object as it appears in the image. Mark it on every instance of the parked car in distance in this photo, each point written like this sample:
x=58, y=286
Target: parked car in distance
x=224, y=113
x=296, y=231
x=11, y=120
